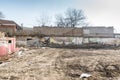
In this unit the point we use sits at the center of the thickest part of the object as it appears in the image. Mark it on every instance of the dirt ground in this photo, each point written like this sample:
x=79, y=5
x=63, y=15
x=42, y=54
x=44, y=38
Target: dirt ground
x=61, y=64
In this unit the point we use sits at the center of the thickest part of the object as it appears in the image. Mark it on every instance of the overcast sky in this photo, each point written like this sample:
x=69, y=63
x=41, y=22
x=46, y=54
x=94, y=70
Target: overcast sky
x=98, y=12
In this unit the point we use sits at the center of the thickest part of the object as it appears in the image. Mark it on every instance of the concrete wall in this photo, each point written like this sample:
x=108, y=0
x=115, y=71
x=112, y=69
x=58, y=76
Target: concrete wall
x=98, y=31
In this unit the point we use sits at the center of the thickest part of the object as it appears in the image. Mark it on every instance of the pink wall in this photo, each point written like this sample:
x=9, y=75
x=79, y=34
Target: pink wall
x=8, y=47
x=3, y=50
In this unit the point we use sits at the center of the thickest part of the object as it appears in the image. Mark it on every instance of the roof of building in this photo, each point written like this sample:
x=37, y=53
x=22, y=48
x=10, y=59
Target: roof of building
x=9, y=22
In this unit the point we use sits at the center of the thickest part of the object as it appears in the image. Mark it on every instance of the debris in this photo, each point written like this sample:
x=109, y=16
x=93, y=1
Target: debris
x=43, y=47
x=111, y=67
x=13, y=78
x=3, y=64
x=85, y=75
x=55, y=64
x=20, y=53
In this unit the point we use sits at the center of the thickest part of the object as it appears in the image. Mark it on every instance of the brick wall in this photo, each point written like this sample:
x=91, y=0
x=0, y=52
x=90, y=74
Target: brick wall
x=9, y=29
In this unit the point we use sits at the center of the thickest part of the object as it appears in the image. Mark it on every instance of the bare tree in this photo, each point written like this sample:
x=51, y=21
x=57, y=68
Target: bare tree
x=1, y=15
x=44, y=20
x=72, y=18
x=60, y=21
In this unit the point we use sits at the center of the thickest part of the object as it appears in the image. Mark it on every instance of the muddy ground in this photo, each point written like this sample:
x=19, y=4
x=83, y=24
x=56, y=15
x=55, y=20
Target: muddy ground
x=61, y=64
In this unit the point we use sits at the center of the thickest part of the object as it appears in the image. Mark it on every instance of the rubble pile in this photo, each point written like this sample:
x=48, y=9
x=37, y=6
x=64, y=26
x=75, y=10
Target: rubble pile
x=100, y=64
x=60, y=64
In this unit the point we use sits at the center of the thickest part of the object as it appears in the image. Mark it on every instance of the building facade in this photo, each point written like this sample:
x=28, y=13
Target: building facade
x=9, y=27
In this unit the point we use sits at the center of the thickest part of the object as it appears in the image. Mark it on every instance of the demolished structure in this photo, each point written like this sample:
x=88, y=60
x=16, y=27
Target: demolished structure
x=7, y=44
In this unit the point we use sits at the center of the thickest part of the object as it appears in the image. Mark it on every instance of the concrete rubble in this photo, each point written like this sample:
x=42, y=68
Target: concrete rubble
x=60, y=64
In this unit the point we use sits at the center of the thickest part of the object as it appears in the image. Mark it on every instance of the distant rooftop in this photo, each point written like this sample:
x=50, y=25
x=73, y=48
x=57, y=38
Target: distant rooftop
x=9, y=22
